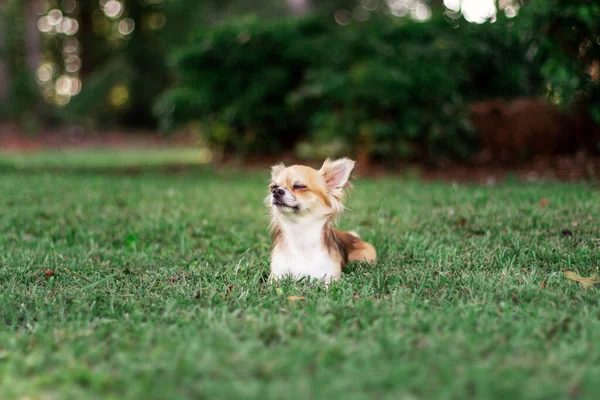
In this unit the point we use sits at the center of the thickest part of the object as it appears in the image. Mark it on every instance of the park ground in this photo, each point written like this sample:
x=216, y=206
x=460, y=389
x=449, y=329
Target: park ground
x=153, y=285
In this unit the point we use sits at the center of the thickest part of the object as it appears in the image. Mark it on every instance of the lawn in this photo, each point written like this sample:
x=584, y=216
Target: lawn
x=154, y=286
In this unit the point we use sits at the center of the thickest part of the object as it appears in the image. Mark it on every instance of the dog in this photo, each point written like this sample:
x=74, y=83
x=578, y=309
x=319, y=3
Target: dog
x=304, y=204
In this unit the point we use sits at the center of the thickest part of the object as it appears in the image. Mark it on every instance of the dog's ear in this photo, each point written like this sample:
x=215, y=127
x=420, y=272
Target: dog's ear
x=337, y=173
x=276, y=170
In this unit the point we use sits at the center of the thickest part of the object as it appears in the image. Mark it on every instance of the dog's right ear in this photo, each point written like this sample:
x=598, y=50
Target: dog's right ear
x=276, y=170
x=337, y=173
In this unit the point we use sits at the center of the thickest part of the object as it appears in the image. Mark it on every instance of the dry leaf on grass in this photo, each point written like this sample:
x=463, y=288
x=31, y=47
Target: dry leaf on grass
x=296, y=298
x=585, y=282
x=48, y=272
x=544, y=202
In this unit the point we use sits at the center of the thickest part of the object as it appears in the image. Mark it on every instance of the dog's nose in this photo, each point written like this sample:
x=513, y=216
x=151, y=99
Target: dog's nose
x=278, y=192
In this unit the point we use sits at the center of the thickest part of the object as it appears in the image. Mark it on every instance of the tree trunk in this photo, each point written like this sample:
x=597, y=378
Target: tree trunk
x=32, y=38
x=3, y=65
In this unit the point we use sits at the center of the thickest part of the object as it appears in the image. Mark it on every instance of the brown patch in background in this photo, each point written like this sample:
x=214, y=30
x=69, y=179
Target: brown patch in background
x=526, y=127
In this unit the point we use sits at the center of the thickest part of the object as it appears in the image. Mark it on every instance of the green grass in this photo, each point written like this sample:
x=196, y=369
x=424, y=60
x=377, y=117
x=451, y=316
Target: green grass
x=159, y=292
x=106, y=159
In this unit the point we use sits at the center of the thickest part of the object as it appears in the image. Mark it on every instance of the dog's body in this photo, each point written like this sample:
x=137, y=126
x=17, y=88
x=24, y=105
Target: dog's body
x=304, y=203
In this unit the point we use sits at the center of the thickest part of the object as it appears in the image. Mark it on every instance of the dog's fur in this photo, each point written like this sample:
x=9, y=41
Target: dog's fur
x=304, y=204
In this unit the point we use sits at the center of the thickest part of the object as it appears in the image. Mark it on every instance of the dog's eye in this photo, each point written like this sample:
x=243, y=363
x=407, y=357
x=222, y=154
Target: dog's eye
x=299, y=187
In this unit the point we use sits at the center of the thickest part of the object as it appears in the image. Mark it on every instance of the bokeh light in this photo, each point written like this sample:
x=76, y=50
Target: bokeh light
x=478, y=11
x=73, y=63
x=44, y=24
x=421, y=12
x=45, y=72
x=453, y=5
x=42, y=7
x=360, y=14
x=343, y=17
x=71, y=46
x=119, y=95
x=370, y=5
x=61, y=100
x=69, y=6
x=156, y=20
x=510, y=11
x=113, y=9
x=63, y=85
x=55, y=16
x=59, y=81
x=126, y=26
x=68, y=26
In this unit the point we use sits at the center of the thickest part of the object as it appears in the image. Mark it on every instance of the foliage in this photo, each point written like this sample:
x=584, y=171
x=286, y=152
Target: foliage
x=132, y=64
x=389, y=86
x=566, y=36
x=23, y=99
x=149, y=287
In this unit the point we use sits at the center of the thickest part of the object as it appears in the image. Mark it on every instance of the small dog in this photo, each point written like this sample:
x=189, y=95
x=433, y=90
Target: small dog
x=304, y=204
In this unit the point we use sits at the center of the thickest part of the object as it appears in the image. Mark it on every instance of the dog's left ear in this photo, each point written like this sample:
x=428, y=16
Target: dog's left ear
x=276, y=170
x=337, y=173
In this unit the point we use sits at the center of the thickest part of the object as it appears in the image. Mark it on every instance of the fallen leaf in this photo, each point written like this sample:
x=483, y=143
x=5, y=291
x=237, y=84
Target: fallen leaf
x=279, y=292
x=175, y=278
x=48, y=272
x=356, y=296
x=543, y=285
x=197, y=295
x=544, y=202
x=567, y=232
x=574, y=223
x=585, y=282
x=296, y=298
x=462, y=222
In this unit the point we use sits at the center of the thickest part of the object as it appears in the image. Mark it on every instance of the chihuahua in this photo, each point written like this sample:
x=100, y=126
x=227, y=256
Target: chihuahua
x=304, y=204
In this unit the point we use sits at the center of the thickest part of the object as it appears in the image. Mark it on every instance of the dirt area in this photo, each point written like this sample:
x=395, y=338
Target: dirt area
x=14, y=139
x=572, y=167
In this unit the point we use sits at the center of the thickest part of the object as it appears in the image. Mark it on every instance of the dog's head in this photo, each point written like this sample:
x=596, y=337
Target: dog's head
x=299, y=191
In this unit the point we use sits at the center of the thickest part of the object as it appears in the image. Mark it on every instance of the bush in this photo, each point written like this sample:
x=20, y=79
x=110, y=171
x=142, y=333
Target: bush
x=566, y=37
x=387, y=87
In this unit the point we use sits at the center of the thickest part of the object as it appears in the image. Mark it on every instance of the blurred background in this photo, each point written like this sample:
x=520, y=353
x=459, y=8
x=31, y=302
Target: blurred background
x=438, y=83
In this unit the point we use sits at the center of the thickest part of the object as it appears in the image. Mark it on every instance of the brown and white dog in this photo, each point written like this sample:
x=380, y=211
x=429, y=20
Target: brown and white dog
x=304, y=204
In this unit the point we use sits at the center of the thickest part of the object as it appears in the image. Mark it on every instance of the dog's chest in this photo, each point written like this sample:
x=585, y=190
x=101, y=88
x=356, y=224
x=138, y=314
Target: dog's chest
x=304, y=261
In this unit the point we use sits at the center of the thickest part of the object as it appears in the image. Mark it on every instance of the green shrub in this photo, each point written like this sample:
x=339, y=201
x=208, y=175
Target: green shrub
x=566, y=36
x=387, y=87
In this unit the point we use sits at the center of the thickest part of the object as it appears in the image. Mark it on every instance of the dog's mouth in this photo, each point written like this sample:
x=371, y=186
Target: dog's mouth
x=281, y=204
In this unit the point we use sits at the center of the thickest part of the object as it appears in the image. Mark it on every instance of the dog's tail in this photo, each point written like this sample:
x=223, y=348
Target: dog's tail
x=355, y=248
